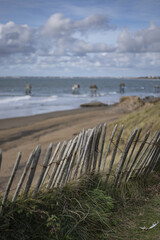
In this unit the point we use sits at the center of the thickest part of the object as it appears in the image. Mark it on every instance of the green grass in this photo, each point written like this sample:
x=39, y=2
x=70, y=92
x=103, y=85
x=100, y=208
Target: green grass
x=146, y=118
x=75, y=212
x=131, y=218
x=85, y=210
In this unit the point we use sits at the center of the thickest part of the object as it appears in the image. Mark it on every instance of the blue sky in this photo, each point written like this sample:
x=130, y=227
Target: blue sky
x=80, y=38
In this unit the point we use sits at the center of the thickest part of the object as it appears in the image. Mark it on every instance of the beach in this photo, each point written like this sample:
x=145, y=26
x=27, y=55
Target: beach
x=23, y=134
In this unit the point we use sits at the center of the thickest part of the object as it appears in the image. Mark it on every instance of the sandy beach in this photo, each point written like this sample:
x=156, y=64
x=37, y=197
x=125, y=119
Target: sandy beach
x=25, y=133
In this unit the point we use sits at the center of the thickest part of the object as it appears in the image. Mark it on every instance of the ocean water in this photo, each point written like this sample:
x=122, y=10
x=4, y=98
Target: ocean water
x=50, y=94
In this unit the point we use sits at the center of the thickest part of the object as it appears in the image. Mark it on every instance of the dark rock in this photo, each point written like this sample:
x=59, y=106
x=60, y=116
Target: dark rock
x=94, y=104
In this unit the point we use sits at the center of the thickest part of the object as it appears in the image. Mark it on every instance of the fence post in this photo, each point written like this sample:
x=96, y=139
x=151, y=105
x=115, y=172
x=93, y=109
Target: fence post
x=27, y=166
x=145, y=159
x=0, y=158
x=66, y=163
x=81, y=152
x=70, y=168
x=154, y=157
x=108, y=148
x=85, y=153
x=33, y=169
x=55, y=167
x=135, y=162
x=118, y=172
x=45, y=164
x=114, y=153
x=51, y=161
x=96, y=150
x=102, y=146
x=57, y=175
x=10, y=181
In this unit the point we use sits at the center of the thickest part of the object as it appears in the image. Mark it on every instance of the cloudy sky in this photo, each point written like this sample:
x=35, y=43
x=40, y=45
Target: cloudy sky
x=79, y=37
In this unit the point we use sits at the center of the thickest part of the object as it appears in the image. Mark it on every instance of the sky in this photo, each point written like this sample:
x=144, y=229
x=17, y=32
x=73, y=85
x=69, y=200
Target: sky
x=117, y=38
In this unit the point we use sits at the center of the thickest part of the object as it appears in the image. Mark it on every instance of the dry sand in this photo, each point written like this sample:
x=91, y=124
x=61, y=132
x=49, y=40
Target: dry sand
x=25, y=133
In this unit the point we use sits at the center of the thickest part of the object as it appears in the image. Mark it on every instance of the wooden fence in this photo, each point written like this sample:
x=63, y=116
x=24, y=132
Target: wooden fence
x=90, y=152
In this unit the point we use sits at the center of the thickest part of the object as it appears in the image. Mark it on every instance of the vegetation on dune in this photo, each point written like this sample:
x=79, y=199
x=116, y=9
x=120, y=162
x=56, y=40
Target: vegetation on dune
x=74, y=212
x=147, y=118
x=89, y=209
x=86, y=210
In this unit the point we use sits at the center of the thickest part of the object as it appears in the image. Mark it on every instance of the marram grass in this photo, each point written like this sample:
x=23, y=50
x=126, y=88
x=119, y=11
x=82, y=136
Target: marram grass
x=79, y=211
x=74, y=212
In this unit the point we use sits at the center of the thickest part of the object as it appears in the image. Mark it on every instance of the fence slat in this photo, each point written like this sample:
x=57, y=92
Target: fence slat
x=66, y=163
x=58, y=173
x=153, y=158
x=70, y=168
x=108, y=148
x=135, y=162
x=144, y=161
x=114, y=153
x=85, y=153
x=157, y=157
x=55, y=167
x=0, y=158
x=51, y=162
x=45, y=164
x=153, y=162
x=96, y=149
x=10, y=181
x=131, y=154
x=27, y=166
x=90, y=151
x=102, y=146
x=118, y=172
x=85, y=148
x=81, y=152
x=33, y=169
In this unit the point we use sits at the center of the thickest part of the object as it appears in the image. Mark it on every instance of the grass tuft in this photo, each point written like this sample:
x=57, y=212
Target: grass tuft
x=85, y=210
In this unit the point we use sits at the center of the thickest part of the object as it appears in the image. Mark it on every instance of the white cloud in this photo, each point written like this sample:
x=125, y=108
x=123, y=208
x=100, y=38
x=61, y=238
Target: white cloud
x=146, y=40
x=59, y=26
x=63, y=43
x=83, y=48
x=15, y=39
x=61, y=34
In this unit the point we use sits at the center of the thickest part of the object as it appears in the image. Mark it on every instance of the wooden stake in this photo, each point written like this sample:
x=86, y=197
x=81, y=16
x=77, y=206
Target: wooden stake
x=108, y=148
x=0, y=158
x=51, y=162
x=70, y=168
x=55, y=167
x=144, y=161
x=135, y=162
x=33, y=169
x=10, y=181
x=27, y=166
x=45, y=164
x=114, y=152
x=102, y=146
x=96, y=149
x=118, y=172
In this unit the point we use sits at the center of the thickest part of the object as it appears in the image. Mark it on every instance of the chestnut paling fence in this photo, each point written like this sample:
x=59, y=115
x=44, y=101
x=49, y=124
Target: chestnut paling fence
x=90, y=152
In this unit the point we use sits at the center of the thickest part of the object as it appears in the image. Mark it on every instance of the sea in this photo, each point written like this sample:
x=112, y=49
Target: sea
x=50, y=94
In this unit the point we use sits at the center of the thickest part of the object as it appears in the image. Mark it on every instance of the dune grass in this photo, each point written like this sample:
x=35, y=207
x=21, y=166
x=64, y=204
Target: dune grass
x=89, y=209
x=85, y=210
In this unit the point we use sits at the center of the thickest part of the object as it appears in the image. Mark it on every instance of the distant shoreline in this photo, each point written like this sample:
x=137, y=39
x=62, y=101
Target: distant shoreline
x=90, y=77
